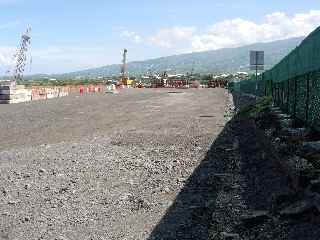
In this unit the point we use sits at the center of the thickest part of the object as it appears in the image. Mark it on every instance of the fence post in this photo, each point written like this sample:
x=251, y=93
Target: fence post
x=295, y=98
x=276, y=95
x=271, y=84
x=288, y=95
x=308, y=97
x=282, y=94
x=278, y=91
x=265, y=85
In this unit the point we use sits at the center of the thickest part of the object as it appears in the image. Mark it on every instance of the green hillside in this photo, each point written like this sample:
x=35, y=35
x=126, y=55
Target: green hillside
x=218, y=61
x=228, y=60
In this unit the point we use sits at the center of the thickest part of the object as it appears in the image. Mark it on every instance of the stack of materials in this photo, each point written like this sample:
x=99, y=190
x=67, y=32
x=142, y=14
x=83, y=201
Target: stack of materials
x=52, y=93
x=63, y=92
x=49, y=93
x=10, y=93
x=39, y=94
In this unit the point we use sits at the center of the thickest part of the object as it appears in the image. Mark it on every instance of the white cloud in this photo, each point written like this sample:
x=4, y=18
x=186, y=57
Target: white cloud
x=131, y=36
x=170, y=37
x=228, y=33
x=237, y=32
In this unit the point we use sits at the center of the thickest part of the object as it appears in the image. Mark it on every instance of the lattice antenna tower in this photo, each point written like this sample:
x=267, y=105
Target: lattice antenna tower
x=21, y=56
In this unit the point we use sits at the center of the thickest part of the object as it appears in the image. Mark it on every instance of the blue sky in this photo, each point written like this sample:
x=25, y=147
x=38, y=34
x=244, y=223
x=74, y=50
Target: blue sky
x=72, y=35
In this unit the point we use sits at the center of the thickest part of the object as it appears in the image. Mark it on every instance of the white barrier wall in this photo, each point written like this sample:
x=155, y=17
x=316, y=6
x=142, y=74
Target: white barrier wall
x=14, y=94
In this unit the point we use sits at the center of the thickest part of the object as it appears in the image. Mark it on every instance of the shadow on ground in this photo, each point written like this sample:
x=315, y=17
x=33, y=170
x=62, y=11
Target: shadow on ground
x=190, y=215
x=240, y=152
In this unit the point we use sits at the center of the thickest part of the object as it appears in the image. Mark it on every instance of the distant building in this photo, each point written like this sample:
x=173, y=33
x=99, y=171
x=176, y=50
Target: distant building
x=243, y=73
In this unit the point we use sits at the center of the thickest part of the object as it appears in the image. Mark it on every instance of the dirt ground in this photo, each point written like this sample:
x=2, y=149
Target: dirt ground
x=107, y=166
x=150, y=164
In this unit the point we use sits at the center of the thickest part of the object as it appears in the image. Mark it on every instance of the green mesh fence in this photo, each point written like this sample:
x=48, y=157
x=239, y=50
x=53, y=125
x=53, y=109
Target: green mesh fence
x=294, y=83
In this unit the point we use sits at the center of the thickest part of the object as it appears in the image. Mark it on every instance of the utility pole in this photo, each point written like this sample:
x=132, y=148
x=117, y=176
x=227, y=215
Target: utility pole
x=256, y=63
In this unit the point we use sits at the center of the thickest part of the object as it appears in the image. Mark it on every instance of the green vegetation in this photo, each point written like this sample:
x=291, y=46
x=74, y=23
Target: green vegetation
x=256, y=110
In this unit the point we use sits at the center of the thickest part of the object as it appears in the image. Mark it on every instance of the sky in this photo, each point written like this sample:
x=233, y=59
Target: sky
x=72, y=35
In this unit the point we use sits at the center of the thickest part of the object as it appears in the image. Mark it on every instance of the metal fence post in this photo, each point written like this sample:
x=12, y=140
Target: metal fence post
x=282, y=94
x=265, y=85
x=271, y=84
x=278, y=91
x=308, y=97
x=295, y=98
x=288, y=95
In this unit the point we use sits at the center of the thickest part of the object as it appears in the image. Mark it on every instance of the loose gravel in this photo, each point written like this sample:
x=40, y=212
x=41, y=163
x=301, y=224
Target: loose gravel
x=102, y=166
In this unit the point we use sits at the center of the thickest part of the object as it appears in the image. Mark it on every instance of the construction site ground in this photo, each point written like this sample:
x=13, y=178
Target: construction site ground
x=104, y=166
x=142, y=164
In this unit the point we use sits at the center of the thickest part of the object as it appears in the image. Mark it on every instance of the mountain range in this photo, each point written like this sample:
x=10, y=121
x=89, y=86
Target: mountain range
x=227, y=60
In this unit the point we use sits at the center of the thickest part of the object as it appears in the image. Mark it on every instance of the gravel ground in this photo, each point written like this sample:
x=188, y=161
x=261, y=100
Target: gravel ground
x=102, y=166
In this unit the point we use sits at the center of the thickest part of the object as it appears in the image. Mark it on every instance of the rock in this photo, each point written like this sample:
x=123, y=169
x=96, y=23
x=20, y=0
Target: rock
x=4, y=191
x=311, y=151
x=296, y=209
x=26, y=219
x=297, y=167
x=270, y=132
x=235, y=144
x=294, y=132
x=277, y=140
x=282, y=116
x=254, y=219
x=42, y=170
x=139, y=204
x=166, y=190
x=294, y=135
x=286, y=123
x=302, y=164
x=12, y=202
x=276, y=111
x=229, y=236
x=314, y=159
x=63, y=190
x=274, y=108
x=61, y=238
x=311, y=147
x=26, y=175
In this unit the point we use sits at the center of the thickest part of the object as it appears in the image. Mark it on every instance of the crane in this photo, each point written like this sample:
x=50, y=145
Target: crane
x=190, y=75
x=124, y=72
